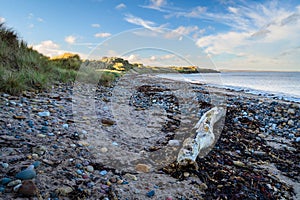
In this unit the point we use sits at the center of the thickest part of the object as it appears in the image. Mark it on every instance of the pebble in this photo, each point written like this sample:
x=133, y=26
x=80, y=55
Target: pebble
x=103, y=150
x=239, y=163
x=90, y=168
x=174, y=143
x=26, y=174
x=103, y=172
x=28, y=188
x=291, y=111
x=64, y=191
x=150, y=193
x=291, y=122
x=17, y=187
x=186, y=174
x=142, y=168
x=13, y=183
x=44, y=114
x=36, y=164
x=2, y=189
x=65, y=126
x=5, y=181
x=297, y=139
x=130, y=176
x=5, y=165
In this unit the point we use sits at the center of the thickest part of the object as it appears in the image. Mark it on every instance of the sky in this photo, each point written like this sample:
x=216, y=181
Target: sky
x=219, y=34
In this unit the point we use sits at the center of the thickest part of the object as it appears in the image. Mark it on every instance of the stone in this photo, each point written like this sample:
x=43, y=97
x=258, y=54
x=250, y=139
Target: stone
x=26, y=174
x=107, y=122
x=174, y=143
x=150, y=193
x=291, y=122
x=64, y=191
x=19, y=117
x=142, y=168
x=5, y=181
x=239, y=163
x=28, y=188
x=5, y=165
x=65, y=126
x=44, y=114
x=13, y=183
x=40, y=150
x=130, y=176
x=103, y=150
x=297, y=139
x=291, y=111
x=186, y=174
x=103, y=172
x=90, y=168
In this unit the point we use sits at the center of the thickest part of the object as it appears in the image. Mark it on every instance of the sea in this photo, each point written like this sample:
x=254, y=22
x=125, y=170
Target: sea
x=277, y=85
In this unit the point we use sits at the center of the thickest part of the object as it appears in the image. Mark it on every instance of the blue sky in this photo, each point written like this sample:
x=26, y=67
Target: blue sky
x=221, y=34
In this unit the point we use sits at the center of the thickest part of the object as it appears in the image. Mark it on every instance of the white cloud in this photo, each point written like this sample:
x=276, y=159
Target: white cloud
x=120, y=6
x=144, y=23
x=139, y=21
x=158, y=3
x=95, y=25
x=102, y=35
x=31, y=26
x=40, y=19
x=2, y=20
x=48, y=48
x=233, y=10
x=70, y=39
x=182, y=30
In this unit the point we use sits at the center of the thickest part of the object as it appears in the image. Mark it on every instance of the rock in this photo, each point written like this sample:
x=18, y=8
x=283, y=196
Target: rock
x=90, y=168
x=291, y=111
x=130, y=176
x=64, y=191
x=297, y=139
x=19, y=117
x=142, y=168
x=5, y=165
x=65, y=126
x=40, y=150
x=103, y=172
x=26, y=174
x=174, y=143
x=13, y=183
x=2, y=189
x=203, y=187
x=291, y=122
x=44, y=114
x=239, y=163
x=17, y=187
x=186, y=174
x=28, y=188
x=103, y=150
x=107, y=122
x=150, y=193
x=5, y=181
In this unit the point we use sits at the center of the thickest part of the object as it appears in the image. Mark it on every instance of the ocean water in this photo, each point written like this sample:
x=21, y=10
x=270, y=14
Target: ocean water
x=281, y=85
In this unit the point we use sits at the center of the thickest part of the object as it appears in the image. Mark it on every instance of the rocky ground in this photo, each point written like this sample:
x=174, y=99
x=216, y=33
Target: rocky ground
x=85, y=142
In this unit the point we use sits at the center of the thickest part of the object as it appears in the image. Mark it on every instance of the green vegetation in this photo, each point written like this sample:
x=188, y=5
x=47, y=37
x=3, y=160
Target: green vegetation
x=23, y=68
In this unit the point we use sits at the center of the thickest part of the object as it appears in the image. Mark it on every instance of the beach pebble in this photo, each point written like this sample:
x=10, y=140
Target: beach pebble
x=130, y=176
x=65, y=126
x=5, y=181
x=297, y=139
x=13, y=183
x=291, y=122
x=44, y=114
x=90, y=168
x=5, y=165
x=2, y=189
x=150, y=193
x=142, y=168
x=64, y=191
x=174, y=143
x=291, y=111
x=103, y=172
x=103, y=150
x=26, y=174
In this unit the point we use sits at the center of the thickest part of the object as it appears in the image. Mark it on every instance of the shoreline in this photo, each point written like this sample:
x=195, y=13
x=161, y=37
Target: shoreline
x=72, y=157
